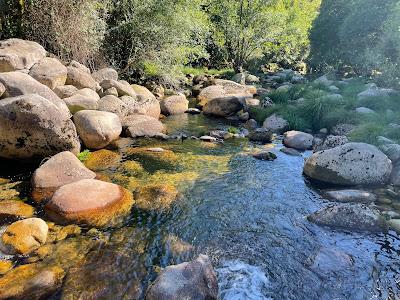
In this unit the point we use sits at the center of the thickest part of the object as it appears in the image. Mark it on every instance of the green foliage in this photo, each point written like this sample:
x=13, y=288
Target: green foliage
x=361, y=36
x=233, y=130
x=84, y=155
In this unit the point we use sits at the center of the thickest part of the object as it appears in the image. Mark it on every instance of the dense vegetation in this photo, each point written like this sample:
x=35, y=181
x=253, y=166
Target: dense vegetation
x=155, y=38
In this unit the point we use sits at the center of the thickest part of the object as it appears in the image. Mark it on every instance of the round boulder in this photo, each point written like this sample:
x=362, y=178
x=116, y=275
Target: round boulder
x=91, y=202
x=33, y=127
x=23, y=237
x=276, y=124
x=189, y=280
x=65, y=91
x=223, y=107
x=174, y=105
x=80, y=102
x=350, y=164
x=97, y=129
x=81, y=79
x=105, y=73
x=137, y=125
x=298, y=140
x=50, y=72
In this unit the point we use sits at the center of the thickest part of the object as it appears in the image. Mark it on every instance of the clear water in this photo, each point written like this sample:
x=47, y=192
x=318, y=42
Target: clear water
x=249, y=216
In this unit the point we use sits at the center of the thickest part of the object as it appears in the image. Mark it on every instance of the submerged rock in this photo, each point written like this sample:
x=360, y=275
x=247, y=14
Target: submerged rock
x=353, y=217
x=102, y=160
x=155, y=197
x=290, y=151
x=265, y=155
x=351, y=196
x=350, y=164
x=32, y=281
x=195, y=280
x=12, y=210
x=23, y=237
x=91, y=202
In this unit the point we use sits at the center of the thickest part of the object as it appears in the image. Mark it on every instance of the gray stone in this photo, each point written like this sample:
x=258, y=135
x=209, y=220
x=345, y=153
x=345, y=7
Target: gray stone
x=261, y=135
x=298, y=140
x=351, y=196
x=276, y=124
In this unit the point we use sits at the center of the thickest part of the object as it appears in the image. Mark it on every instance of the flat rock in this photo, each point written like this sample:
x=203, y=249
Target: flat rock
x=351, y=196
x=97, y=129
x=350, y=164
x=190, y=280
x=353, y=217
x=17, y=54
x=91, y=202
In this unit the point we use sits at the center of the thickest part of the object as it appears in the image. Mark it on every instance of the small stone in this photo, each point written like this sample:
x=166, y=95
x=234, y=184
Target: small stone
x=193, y=111
x=265, y=155
x=207, y=138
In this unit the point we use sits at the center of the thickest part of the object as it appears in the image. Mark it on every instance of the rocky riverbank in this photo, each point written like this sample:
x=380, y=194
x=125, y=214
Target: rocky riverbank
x=103, y=152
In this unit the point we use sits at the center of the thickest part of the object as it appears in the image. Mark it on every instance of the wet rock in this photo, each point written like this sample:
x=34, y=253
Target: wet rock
x=16, y=54
x=155, y=197
x=32, y=281
x=81, y=79
x=328, y=260
x=276, y=124
x=12, y=210
x=18, y=84
x=265, y=155
x=261, y=135
x=79, y=102
x=65, y=91
x=50, y=72
x=351, y=196
x=176, y=246
x=151, y=160
x=331, y=141
x=350, y=164
x=102, y=160
x=137, y=125
x=174, y=105
x=209, y=139
x=23, y=237
x=61, y=169
x=223, y=107
x=97, y=129
x=394, y=224
x=193, y=111
x=298, y=140
x=290, y=151
x=33, y=127
x=354, y=217
x=192, y=280
x=5, y=266
x=105, y=73
x=91, y=202
x=122, y=89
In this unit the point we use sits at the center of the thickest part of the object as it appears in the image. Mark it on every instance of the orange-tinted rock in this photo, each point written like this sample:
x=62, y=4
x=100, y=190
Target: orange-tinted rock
x=11, y=210
x=89, y=201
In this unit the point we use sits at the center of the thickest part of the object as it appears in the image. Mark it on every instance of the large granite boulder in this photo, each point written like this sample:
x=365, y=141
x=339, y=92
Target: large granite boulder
x=80, y=102
x=50, y=72
x=81, y=79
x=137, y=125
x=123, y=89
x=174, y=105
x=350, y=164
x=223, y=107
x=97, y=129
x=17, y=84
x=195, y=280
x=298, y=140
x=16, y=54
x=105, y=73
x=276, y=124
x=33, y=127
x=91, y=202
x=65, y=91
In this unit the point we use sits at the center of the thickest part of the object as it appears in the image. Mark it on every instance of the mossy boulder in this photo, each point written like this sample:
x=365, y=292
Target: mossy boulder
x=102, y=160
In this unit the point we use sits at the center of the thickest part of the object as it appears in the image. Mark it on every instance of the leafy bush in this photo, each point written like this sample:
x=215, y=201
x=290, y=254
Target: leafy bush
x=84, y=155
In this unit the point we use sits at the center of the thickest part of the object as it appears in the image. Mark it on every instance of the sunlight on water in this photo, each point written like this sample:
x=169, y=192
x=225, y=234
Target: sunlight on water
x=239, y=281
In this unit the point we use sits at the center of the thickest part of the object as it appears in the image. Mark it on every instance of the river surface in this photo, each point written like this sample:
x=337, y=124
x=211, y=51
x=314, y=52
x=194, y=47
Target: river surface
x=249, y=216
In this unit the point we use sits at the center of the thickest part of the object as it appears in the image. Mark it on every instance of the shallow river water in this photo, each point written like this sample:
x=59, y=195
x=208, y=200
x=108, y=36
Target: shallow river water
x=249, y=216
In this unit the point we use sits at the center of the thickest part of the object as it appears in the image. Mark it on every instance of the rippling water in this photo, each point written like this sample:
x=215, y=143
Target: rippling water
x=249, y=217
